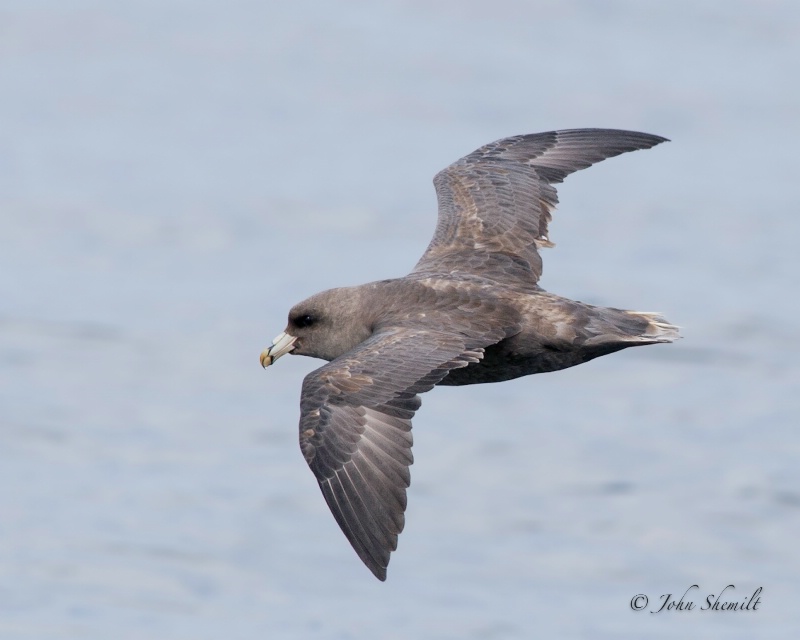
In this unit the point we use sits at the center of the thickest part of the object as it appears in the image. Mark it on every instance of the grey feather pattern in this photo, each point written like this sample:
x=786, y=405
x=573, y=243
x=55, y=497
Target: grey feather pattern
x=495, y=203
x=355, y=430
x=470, y=312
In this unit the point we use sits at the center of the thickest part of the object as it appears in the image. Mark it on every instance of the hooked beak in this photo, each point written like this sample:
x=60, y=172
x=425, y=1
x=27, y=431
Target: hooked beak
x=282, y=344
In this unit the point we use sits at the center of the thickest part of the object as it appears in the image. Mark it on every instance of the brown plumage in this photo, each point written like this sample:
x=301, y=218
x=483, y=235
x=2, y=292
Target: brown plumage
x=470, y=312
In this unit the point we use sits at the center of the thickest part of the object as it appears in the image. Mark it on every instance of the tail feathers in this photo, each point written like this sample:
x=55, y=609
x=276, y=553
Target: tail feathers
x=656, y=330
x=618, y=328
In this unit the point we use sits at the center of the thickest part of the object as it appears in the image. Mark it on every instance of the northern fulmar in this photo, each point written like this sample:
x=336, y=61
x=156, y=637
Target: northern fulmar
x=469, y=312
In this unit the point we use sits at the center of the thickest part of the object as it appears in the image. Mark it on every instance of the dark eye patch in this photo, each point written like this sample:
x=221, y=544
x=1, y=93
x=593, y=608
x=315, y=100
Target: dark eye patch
x=306, y=320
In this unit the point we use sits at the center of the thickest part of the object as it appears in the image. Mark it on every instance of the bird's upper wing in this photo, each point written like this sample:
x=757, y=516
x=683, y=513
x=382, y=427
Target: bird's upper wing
x=495, y=204
x=355, y=429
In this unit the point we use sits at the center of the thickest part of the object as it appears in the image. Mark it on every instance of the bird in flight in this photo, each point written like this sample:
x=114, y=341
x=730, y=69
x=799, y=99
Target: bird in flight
x=469, y=312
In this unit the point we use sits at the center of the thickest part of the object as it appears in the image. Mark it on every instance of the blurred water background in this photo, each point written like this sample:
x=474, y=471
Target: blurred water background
x=175, y=175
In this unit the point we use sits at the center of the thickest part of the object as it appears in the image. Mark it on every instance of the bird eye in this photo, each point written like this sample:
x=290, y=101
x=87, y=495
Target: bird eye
x=304, y=320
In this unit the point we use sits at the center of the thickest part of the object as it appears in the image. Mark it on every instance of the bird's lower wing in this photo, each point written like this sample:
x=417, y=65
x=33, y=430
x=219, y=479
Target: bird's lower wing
x=355, y=429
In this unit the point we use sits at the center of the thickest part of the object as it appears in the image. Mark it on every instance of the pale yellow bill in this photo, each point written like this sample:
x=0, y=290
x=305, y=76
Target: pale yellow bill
x=281, y=345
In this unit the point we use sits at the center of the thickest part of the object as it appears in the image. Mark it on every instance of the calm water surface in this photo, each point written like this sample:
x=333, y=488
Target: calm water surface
x=174, y=176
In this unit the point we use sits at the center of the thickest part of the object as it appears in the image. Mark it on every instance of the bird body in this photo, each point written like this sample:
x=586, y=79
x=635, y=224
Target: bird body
x=470, y=312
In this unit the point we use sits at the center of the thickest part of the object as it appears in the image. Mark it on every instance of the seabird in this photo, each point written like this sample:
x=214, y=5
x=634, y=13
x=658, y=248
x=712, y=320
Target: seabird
x=469, y=312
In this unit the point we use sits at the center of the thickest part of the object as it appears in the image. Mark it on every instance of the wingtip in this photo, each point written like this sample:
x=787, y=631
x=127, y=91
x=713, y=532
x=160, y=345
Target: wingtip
x=612, y=142
x=651, y=138
x=659, y=139
x=377, y=570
